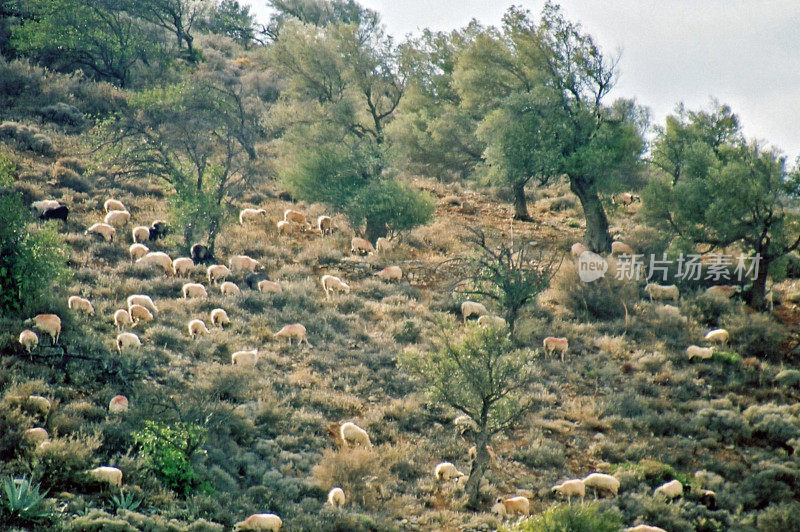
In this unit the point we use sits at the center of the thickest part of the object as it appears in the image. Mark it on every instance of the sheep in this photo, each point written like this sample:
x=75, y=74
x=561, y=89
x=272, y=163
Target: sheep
x=297, y=217
x=644, y=528
x=157, y=258
x=552, y=344
x=703, y=353
x=488, y=320
x=471, y=308
x=158, y=229
x=104, y=230
x=139, y=313
x=243, y=263
x=118, y=404
x=219, y=318
x=42, y=206
x=600, y=482
x=286, y=228
x=671, y=490
x=383, y=245
x=28, y=339
x=657, y=291
x=137, y=251
x=577, y=249
x=106, y=474
x=570, y=488
x=228, y=288
x=56, y=213
x=193, y=290
x=196, y=327
x=472, y=453
x=143, y=300
x=621, y=248
x=246, y=215
x=293, y=331
x=245, y=358
x=627, y=198
x=361, y=246
x=140, y=233
x=217, y=272
x=512, y=506
x=80, y=303
x=446, y=471
x=267, y=286
x=36, y=435
x=126, y=340
x=325, y=225
x=122, y=318
x=41, y=404
x=708, y=497
x=49, y=323
x=353, y=435
x=725, y=291
x=182, y=266
x=717, y=336
x=117, y=219
x=332, y=284
x=391, y=273
x=336, y=497
x=200, y=253
x=260, y=522
x=464, y=423
x=113, y=205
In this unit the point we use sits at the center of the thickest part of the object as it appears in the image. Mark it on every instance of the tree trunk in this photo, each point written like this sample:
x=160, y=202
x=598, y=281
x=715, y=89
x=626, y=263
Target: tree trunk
x=759, y=289
x=374, y=231
x=188, y=235
x=520, y=203
x=213, y=230
x=596, y=238
x=473, y=487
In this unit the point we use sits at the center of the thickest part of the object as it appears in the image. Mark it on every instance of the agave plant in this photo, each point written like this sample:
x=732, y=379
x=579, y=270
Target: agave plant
x=22, y=502
x=125, y=501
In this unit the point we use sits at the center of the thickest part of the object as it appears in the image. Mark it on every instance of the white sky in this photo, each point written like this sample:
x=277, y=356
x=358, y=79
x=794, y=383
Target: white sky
x=746, y=53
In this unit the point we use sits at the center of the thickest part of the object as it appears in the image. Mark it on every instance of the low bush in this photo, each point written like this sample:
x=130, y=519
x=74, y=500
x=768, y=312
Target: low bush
x=604, y=299
x=560, y=518
x=755, y=335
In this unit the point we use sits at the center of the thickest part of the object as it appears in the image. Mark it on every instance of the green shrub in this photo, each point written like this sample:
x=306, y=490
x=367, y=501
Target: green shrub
x=22, y=504
x=391, y=204
x=61, y=465
x=783, y=516
x=707, y=309
x=604, y=299
x=63, y=114
x=561, y=518
x=755, y=335
x=169, y=448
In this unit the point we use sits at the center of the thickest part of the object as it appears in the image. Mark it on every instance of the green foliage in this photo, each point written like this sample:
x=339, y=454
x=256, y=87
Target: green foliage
x=604, y=299
x=61, y=465
x=21, y=503
x=231, y=18
x=755, y=335
x=560, y=518
x=391, y=204
x=168, y=447
x=125, y=500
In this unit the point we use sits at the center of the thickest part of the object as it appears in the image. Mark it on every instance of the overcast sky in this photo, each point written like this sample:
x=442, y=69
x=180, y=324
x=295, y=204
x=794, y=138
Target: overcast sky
x=746, y=53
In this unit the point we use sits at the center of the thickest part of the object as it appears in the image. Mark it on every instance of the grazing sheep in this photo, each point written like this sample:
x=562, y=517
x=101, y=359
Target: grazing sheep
x=158, y=229
x=194, y=290
x=143, y=300
x=140, y=233
x=286, y=228
x=512, y=506
x=157, y=258
x=139, y=313
x=296, y=217
x=725, y=291
x=197, y=327
x=471, y=308
x=36, y=435
x=383, y=245
x=104, y=230
x=703, y=353
x=621, y=248
x=118, y=404
x=182, y=266
x=627, y=198
x=717, y=336
x=49, y=323
x=293, y=331
x=446, y=471
x=245, y=358
x=41, y=404
x=118, y=219
x=708, y=497
x=325, y=225
x=113, y=205
x=336, y=497
x=56, y=213
x=247, y=215
x=361, y=246
x=126, y=340
x=353, y=435
x=28, y=339
x=492, y=321
x=80, y=303
x=259, y=522
x=464, y=424
x=42, y=206
x=332, y=284
x=552, y=344
x=391, y=273
x=600, y=482
x=267, y=286
x=657, y=291
x=200, y=254
x=577, y=249
x=644, y=528
x=107, y=474
x=569, y=488
x=671, y=490
x=228, y=288
x=122, y=318
x=137, y=251
x=217, y=272
x=243, y=263
x=219, y=318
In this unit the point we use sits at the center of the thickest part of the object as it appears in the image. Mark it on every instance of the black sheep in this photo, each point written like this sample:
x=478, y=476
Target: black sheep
x=200, y=254
x=158, y=230
x=56, y=213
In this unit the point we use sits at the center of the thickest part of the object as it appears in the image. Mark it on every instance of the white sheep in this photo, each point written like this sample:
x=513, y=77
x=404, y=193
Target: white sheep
x=577, y=249
x=267, y=286
x=391, y=273
x=80, y=303
x=126, y=340
x=725, y=291
x=259, y=522
x=471, y=308
x=472, y=453
x=247, y=215
x=296, y=217
x=139, y=313
x=621, y=248
x=671, y=490
x=157, y=258
x=325, y=225
x=228, y=288
x=600, y=482
x=626, y=198
x=196, y=327
x=569, y=488
x=137, y=251
x=294, y=331
x=140, y=233
x=104, y=230
x=182, y=266
x=332, y=284
x=36, y=435
x=122, y=318
x=43, y=206
x=243, y=263
x=644, y=528
x=361, y=246
x=512, y=506
x=336, y=497
x=286, y=228
x=246, y=359
x=657, y=291
x=113, y=205
x=552, y=344
x=464, y=423
x=49, y=323
x=446, y=471
x=217, y=272
x=107, y=474
x=219, y=318
x=194, y=290
x=143, y=300
x=118, y=404
x=353, y=435
x=717, y=336
x=383, y=245
x=28, y=339
x=488, y=320
x=703, y=353
x=118, y=219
